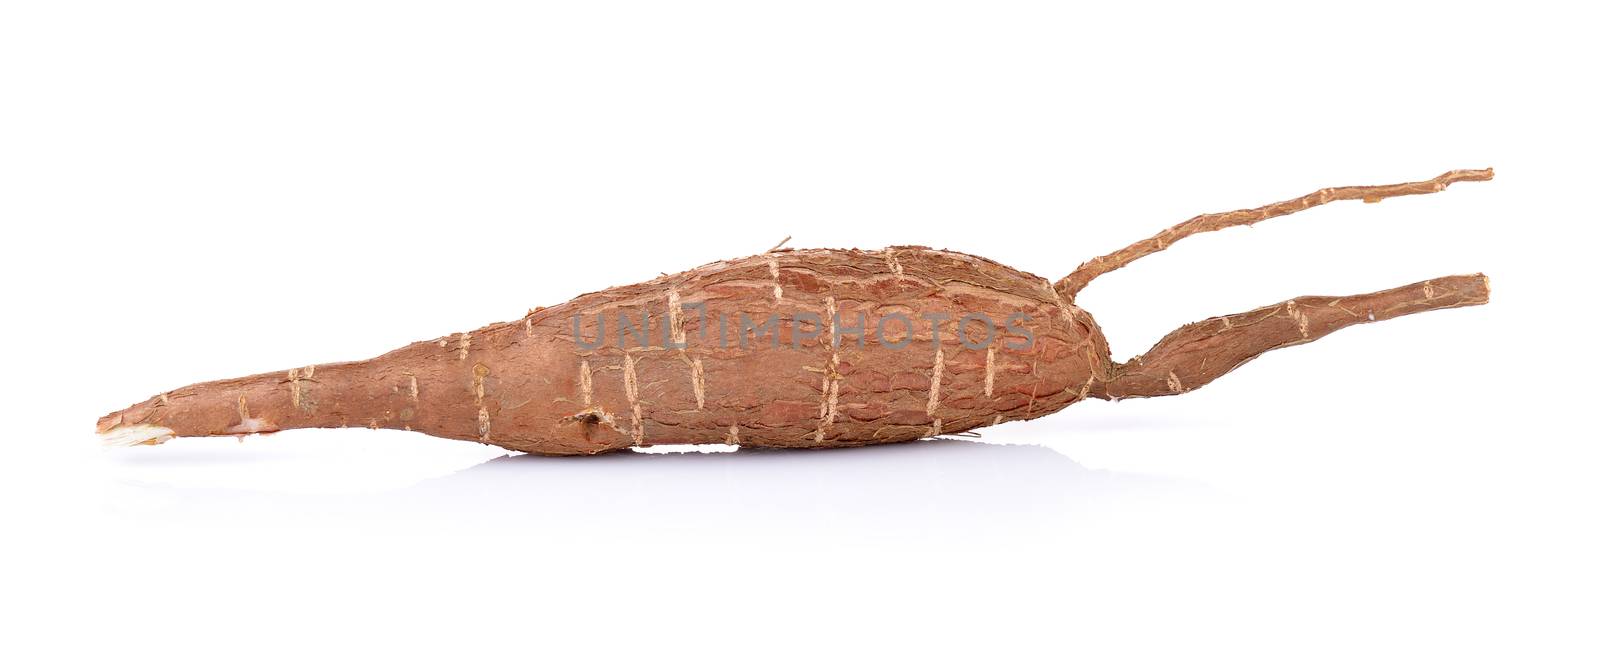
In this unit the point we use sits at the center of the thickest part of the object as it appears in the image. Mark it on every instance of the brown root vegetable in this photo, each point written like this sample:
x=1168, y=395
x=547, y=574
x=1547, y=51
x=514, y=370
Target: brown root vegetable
x=790, y=348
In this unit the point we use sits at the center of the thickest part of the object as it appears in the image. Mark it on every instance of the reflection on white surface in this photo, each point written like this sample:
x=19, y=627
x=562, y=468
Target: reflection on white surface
x=943, y=489
x=990, y=546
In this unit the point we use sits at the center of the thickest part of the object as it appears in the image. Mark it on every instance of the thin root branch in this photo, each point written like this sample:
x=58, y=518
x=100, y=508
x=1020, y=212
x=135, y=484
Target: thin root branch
x=1198, y=353
x=1069, y=286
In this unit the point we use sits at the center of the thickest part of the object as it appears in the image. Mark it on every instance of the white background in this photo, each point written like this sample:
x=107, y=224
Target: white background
x=202, y=190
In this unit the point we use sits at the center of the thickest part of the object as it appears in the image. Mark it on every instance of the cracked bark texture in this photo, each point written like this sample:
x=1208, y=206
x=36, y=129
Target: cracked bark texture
x=530, y=385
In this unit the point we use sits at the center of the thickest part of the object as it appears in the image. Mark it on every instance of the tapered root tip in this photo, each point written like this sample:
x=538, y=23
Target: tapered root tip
x=1467, y=175
x=116, y=431
x=136, y=434
x=1471, y=289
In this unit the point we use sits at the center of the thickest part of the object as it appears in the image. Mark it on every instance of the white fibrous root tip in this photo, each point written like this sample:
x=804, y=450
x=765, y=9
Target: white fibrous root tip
x=137, y=434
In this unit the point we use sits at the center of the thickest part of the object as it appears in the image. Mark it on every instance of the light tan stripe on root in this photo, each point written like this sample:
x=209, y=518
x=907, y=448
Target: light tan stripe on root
x=988, y=372
x=829, y=409
x=777, y=288
x=630, y=385
x=480, y=372
x=248, y=425
x=697, y=376
x=1301, y=322
x=298, y=390
x=674, y=316
x=585, y=384
x=294, y=388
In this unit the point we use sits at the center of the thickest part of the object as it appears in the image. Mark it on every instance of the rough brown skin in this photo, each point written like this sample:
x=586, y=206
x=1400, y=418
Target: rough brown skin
x=528, y=385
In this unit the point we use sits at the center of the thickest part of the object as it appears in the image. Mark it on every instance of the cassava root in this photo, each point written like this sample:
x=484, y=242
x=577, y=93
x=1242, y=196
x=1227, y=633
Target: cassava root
x=837, y=359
